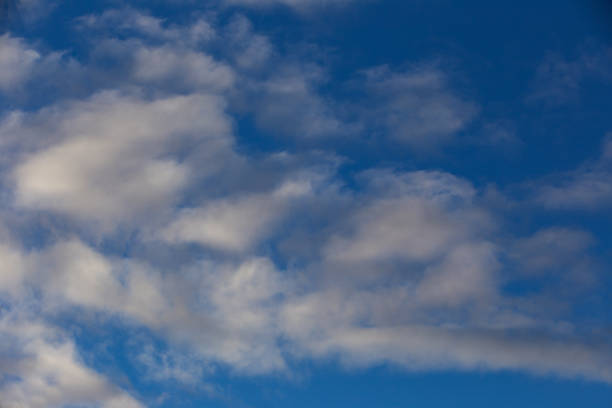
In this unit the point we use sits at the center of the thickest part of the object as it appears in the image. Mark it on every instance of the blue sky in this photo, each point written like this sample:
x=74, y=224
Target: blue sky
x=273, y=203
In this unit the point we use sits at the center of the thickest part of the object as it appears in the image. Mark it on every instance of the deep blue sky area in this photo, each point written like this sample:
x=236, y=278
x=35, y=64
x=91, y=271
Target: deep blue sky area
x=306, y=203
x=492, y=51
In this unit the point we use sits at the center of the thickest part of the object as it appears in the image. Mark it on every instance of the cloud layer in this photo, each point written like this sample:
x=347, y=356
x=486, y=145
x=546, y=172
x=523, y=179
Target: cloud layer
x=133, y=200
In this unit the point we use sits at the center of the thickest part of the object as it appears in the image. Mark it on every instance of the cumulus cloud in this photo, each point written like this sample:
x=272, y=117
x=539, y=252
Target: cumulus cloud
x=189, y=69
x=70, y=273
x=235, y=224
x=166, y=66
x=409, y=220
x=114, y=154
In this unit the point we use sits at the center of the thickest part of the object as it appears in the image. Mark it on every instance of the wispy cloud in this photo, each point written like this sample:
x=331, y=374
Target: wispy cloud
x=416, y=107
x=560, y=79
x=586, y=188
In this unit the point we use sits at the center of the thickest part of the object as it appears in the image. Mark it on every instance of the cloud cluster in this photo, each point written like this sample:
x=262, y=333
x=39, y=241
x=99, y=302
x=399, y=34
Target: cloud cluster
x=133, y=201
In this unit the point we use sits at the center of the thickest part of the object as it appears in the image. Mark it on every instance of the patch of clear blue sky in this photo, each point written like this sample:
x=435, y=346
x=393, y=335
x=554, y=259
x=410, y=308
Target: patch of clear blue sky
x=384, y=388
x=492, y=50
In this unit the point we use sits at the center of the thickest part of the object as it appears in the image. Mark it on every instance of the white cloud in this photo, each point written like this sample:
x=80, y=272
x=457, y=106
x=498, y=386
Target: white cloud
x=281, y=92
x=417, y=106
x=248, y=49
x=224, y=312
x=398, y=228
x=170, y=66
x=286, y=100
x=191, y=70
x=132, y=21
x=403, y=268
x=79, y=275
x=441, y=188
x=149, y=52
x=48, y=372
x=70, y=273
x=373, y=326
x=422, y=218
x=114, y=156
x=23, y=66
x=564, y=257
x=551, y=249
x=446, y=312
x=12, y=269
x=17, y=61
x=130, y=48
x=243, y=301
x=415, y=280
x=235, y=224
x=466, y=274
x=422, y=347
